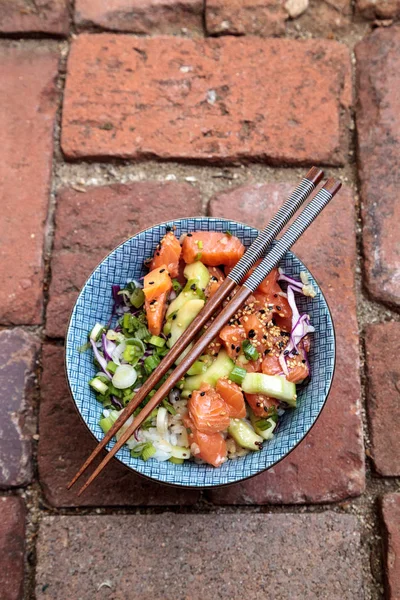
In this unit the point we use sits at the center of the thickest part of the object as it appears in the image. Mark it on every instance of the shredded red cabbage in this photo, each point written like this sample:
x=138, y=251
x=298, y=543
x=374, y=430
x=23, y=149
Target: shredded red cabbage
x=115, y=402
x=100, y=359
x=108, y=347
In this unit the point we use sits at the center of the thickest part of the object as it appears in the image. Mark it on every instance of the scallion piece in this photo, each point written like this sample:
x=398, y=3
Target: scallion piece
x=176, y=286
x=148, y=451
x=84, y=347
x=263, y=424
x=237, y=375
x=249, y=350
x=156, y=340
x=111, y=367
x=169, y=407
x=96, y=332
x=176, y=461
x=151, y=363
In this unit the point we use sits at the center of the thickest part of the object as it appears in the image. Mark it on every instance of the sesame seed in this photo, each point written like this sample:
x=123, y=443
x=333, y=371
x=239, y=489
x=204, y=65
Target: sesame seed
x=162, y=270
x=202, y=393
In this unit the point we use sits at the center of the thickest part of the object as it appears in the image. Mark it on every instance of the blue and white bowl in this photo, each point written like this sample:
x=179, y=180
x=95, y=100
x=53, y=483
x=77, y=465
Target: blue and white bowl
x=94, y=304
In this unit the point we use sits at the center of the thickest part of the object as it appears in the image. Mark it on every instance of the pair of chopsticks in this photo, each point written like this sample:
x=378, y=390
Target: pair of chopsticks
x=232, y=282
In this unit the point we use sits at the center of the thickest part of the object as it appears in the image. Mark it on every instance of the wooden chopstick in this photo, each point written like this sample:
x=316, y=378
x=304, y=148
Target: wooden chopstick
x=301, y=223
x=254, y=252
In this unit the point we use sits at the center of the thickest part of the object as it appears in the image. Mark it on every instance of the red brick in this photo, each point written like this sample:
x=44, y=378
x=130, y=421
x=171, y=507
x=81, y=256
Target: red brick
x=329, y=464
x=39, y=16
x=65, y=443
x=378, y=9
x=261, y=17
x=17, y=372
x=12, y=547
x=89, y=226
x=142, y=16
x=378, y=58
x=212, y=557
x=383, y=395
x=27, y=110
x=391, y=516
x=212, y=100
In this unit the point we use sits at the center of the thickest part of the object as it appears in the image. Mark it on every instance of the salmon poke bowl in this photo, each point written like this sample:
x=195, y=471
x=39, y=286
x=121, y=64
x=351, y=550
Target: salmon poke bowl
x=247, y=401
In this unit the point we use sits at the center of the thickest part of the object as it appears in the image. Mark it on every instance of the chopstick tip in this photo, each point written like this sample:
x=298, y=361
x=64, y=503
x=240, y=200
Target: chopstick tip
x=332, y=185
x=315, y=175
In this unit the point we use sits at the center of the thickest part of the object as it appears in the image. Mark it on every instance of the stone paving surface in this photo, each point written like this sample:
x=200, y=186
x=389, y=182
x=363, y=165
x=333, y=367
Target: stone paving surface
x=197, y=107
x=212, y=557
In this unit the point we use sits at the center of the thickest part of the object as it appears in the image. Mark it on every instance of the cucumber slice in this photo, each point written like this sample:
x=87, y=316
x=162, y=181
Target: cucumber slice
x=275, y=386
x=191, y=291
x=244, y=435
x=183, y=319
x=199, y=273
x=221, y=367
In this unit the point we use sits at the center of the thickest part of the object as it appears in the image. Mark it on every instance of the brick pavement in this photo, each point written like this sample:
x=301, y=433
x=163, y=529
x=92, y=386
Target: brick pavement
x=238, y=97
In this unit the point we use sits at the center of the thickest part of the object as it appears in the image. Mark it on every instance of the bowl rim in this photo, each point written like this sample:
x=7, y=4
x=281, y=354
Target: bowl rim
x=179, y=485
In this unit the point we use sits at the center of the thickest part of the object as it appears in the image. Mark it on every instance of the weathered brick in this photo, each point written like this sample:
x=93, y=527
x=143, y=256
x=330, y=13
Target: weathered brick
x=17, y=367
x=378, y=125
x=212, y=557
x=383, y=395
x=391, y=516
x=329, y=464
x=12, y=547
x=89, y=226
x=144, y=16
x=261, y=17
x=28, y=102
x=65, y=443
x=212, y=100
x=378, y=9
x=40, y=16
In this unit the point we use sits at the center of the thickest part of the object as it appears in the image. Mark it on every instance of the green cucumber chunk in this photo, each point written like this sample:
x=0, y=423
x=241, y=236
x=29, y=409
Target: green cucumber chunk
x=199, y=273
x=191, y=291
x=185, y=316
x=275, y=386
x=221, y=367
x=244, y=435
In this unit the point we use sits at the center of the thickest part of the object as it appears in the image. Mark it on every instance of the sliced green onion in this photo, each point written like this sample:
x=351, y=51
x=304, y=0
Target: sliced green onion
x=124, y=377
x=199, y=244
x=106, y=423
x=147, y=423
x=228, y=233
x=162, y=351
x=137, y=298
x=151, y=363
x=262, y=424
x=96, y=331
x=156, y=340
x=237, y=375
x=148, y=451
x=249, y=350
x=176, y=286
x=169, y=407
x=136, y=452
x=198, y=256
x=111, y=367
x=176, y=461
x=199, y=366
x=98, y=385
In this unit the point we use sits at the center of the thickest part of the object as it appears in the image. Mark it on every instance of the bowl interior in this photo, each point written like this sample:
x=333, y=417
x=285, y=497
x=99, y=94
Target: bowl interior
x=94, y=304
